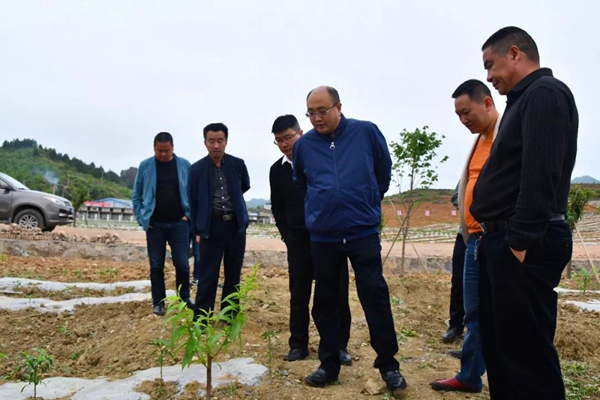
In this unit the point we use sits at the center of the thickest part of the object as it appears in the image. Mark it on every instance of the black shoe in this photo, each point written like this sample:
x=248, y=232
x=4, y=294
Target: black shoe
x=394, y=381
x=319, y=378
x=190, y=304
x=345, y=357
x=455, y=353
x=452, y=334
x=296, y=355
x=159, y=309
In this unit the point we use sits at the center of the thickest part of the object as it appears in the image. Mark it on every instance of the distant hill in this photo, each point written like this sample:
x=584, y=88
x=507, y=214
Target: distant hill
x=45, y=170
x=254, y=203
x=586, y=179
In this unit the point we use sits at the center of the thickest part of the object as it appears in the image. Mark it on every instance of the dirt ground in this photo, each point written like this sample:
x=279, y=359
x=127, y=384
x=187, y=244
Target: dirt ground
x=266, y=243
x=113, y=340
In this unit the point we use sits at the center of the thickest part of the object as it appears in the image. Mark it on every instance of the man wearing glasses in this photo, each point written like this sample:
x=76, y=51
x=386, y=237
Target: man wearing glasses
x=344, y=168
x=287, y=205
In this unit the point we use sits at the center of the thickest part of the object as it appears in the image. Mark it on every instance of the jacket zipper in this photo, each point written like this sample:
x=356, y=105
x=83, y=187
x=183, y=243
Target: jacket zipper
x=337, y=181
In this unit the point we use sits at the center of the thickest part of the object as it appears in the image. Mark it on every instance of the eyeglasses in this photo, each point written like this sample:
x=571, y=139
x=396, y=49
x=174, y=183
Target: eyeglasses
x=320, y=112
x=285, y=139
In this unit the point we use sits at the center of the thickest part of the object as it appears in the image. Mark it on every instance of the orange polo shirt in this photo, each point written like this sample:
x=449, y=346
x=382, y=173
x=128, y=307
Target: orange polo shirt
x=479, y=157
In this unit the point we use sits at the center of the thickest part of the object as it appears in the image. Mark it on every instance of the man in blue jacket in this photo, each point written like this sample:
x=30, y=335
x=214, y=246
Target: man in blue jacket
x=344, y=167
x=160, y=204
x=216, y=185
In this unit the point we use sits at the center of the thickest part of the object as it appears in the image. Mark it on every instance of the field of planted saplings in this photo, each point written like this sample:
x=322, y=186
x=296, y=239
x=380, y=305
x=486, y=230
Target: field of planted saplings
x=76, y=327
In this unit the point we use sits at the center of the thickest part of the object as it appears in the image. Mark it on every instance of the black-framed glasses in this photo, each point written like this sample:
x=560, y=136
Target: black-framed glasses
x=285, y=139
x=322, y=112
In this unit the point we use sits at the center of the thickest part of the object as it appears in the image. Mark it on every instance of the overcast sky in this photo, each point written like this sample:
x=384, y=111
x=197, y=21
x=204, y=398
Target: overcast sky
x=98, y=79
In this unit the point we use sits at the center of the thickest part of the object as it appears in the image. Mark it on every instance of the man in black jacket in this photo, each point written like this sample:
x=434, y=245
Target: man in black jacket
x=216, y=186
x=287, y=205
x=520, y=199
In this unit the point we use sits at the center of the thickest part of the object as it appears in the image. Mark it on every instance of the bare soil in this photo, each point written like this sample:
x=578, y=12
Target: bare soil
x=113, y=340
x=274, y=243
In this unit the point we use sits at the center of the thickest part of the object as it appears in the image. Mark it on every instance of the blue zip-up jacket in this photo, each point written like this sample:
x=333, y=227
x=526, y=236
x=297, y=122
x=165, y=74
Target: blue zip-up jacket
x=345, y=178
x=144, y=189
x=200, y=192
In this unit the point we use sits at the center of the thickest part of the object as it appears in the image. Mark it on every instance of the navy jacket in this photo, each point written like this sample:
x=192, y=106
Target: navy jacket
x=344, y=179
x=200, y=192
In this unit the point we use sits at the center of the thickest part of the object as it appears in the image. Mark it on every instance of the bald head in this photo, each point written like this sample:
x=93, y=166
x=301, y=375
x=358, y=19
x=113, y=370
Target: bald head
x=332, y=92
x=324, y=109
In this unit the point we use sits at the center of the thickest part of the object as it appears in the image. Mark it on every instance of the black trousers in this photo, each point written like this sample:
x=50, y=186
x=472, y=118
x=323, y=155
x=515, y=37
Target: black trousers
x=518, y=315
x=365, y=257
x=227, y=244
x=457, y=309
x=301, y=273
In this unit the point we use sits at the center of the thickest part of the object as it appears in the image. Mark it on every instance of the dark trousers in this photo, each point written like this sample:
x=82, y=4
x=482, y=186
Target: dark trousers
x=365, y=257
x=518, y=315
x=227, y=244
x=196, y=253
x=457, y=310
x=177, y=236
x=301, y=273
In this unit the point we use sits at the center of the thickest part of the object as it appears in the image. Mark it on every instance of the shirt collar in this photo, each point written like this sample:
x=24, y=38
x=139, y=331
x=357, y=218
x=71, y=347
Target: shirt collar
x=524, y=83
x=286, y=159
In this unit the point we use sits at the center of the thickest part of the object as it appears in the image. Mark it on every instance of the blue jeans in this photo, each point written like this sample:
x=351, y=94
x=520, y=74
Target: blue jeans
x=157, y=237
x=472, y=365
x=196, y=251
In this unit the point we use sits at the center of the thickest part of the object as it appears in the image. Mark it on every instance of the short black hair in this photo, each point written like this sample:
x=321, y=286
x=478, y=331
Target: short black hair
x=509, y=36
x=333, y=93
x=475, y=89
x=285, y=122
x=163, y=137
x=216, y=127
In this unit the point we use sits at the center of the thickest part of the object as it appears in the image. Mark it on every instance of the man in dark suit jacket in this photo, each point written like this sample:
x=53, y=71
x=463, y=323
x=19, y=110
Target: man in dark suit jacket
x=287, y=205
x=216, y=185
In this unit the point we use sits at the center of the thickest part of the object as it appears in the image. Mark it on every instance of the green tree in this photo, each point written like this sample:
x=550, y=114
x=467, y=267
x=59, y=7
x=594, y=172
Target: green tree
x=79, y=197
x=578, y=198
x=34, y=365
x=414, y=159
x=202, y=339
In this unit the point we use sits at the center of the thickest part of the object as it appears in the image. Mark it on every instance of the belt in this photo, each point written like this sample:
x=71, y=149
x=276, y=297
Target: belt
x=477, y=235
x=224, y=217
x=502, y=224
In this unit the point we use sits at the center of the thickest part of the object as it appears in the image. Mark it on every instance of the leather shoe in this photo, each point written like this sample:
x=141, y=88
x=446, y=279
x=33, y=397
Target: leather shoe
x=190, y=304
x=296, y=355
x=320, y=378
x=455, y=353
x=345, y=357
x=451, y=334
x=159, y=309
x=394, y=381
x=453, y=385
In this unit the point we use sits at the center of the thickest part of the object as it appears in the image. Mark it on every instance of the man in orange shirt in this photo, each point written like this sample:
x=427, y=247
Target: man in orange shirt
x=474, y=106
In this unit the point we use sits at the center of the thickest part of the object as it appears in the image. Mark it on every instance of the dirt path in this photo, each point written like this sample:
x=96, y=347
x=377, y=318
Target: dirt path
x=261, y=243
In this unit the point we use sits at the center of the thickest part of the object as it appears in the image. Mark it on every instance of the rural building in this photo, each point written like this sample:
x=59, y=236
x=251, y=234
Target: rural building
x=109, y=209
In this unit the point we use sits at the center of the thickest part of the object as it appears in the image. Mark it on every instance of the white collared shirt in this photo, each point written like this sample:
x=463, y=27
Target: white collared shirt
x=286, y=159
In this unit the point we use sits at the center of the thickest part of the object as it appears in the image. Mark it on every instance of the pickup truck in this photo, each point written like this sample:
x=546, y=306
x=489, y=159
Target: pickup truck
x=30, y=208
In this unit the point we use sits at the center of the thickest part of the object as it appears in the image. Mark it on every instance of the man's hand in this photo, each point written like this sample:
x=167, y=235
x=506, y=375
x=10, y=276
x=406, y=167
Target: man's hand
x=184, y=218
x=520, y=255
x=198, y=239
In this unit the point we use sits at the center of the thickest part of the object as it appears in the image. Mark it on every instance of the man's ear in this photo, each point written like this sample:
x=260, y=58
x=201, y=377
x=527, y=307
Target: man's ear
x=489, y=103
x=300, y=132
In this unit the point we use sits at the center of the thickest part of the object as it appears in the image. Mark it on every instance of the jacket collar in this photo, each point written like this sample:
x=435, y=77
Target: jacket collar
x=341, y=126
x=524, y=83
